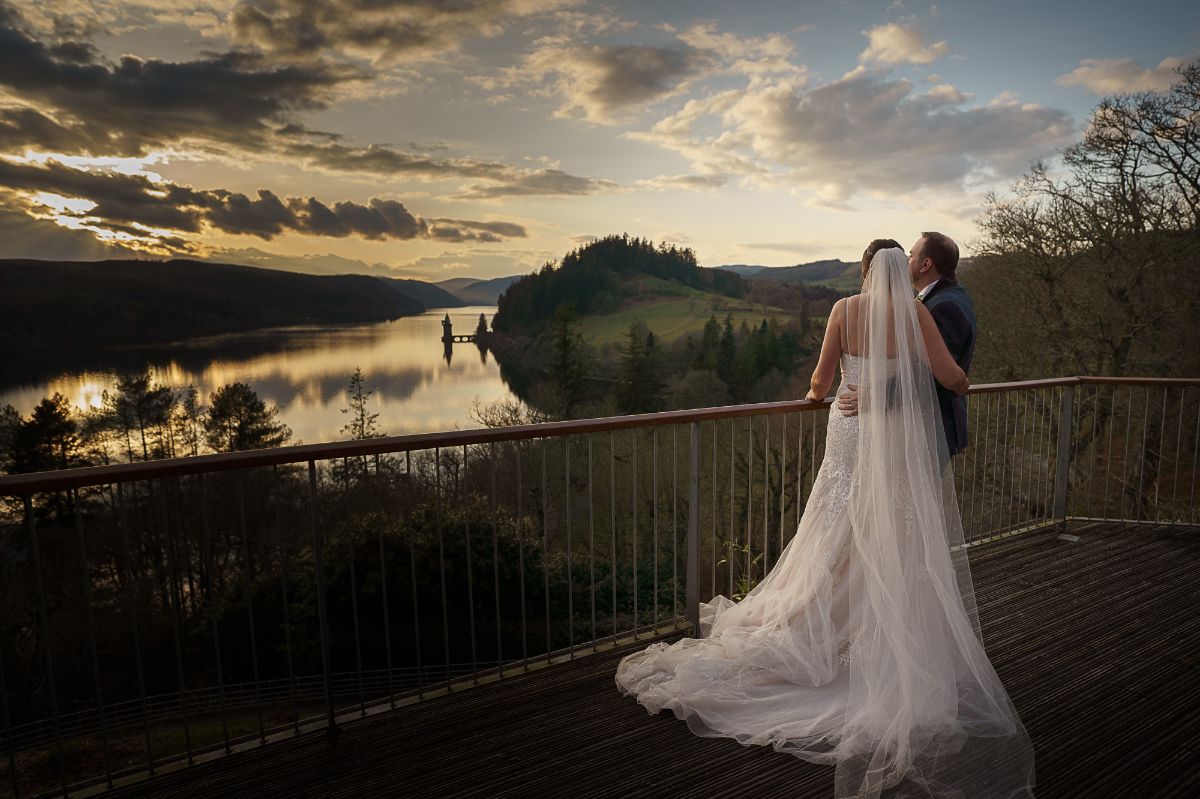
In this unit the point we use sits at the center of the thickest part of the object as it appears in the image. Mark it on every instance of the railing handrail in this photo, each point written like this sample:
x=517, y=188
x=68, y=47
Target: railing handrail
x=25, y=484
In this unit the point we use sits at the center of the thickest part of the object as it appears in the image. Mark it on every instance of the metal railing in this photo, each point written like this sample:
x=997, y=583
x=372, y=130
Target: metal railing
x=157, y=613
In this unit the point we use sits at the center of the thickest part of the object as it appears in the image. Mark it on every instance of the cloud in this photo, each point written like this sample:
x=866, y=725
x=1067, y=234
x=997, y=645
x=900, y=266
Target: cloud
x=139, y=208
x=864, y=133
x=499, y=179
x=383, y=33
x=688, y=182
x=608, y=84
x=1118, y=75
x=79, y=102
x=604, y=84
x=894, y=43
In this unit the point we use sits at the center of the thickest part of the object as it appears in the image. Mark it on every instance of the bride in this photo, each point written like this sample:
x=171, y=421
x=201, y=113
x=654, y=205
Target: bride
x=861, y=648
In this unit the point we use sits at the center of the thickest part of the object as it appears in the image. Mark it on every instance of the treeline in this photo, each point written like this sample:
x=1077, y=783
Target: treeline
x=725, y=364
x=591, y=277
x=67, y=307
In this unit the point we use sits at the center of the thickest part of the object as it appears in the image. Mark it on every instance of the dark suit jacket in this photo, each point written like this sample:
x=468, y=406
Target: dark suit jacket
x=951, y=308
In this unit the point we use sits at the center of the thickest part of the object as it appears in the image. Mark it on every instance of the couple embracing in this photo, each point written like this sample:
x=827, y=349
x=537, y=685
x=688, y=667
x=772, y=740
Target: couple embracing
x=861, y=648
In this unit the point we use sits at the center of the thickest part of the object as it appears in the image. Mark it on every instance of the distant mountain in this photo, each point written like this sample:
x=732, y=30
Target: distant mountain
x=831, y=272
x=430, y=295
x=478, y=292
x=69, y=306
x=745, y=270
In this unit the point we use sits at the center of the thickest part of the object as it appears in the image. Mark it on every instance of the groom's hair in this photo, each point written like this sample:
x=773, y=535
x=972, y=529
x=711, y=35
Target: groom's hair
x=874, y=247
x=942, y=250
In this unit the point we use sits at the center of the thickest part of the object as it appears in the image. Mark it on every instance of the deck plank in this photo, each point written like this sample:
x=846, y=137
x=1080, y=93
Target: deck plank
x=1097, y=641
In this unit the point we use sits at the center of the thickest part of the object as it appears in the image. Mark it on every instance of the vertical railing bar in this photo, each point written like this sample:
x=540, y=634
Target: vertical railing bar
x=521, y=558
x=9, y=746
x=1125, y=459
x=495, y=561
x=633, y=497
x=692, y=567
x=732, y=533
x=134, y=581
x=713, y=491
x=284, y=562
x=799, y=469
x=546, y=549
x=1162, y=431
x=248, y=588
x=383, y=595
x=1005, y=464
x=176, y=608
x=1195, y=451
x=322, y=609
x=412, y=565
x=1112, y=422
x=782, y=480
x=1014, y=459
x=1178, y=446
x=1043, y=426
x=766, y=481
x=570, y=575
x=210, y=606
x=674, y=524
x=749, y=497
x=44, y=624
x=969, y=497
x=592, y=540
x=988, y=445
x=1026, y=463
x=654, y=516
x=812, y=455
x=1066, y=426
x=466, y=504
x=1145, y=435
x=612, y=521
x=437, y=505
x=1095, y=393
x=93, y=651
x=362, y=698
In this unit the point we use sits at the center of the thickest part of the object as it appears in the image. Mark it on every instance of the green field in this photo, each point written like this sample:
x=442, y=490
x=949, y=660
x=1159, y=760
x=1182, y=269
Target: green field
x=671, y=311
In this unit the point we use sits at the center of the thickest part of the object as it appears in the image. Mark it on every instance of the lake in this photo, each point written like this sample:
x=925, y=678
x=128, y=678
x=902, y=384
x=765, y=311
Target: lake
x=305, y=372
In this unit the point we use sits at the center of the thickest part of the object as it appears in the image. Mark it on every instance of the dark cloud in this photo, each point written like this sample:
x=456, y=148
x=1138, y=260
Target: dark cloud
x=384, y=32
x=123, y=202
x=86, y=104
x=77, y=103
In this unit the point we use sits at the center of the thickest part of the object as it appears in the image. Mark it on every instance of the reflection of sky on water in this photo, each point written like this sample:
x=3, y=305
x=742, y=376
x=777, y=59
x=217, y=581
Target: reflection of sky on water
x=305, y=371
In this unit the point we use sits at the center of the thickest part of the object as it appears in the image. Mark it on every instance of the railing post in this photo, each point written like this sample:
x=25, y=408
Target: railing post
x=693, y=533
x=1063, y=456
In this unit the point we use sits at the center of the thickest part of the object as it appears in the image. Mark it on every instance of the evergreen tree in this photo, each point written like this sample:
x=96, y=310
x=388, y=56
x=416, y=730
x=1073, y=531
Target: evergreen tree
x=727, y=353
x=238, y=420
x=481, y=329
x=363, y=424
x=140, y=412
x=654, y=384
x=48, y=439
x=566, y=359
x=631, y=370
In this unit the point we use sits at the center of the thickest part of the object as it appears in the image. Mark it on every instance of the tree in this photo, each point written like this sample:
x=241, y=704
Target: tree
x=189, y=420
x=140, y=412
x=48, y=439
x=481, y=329
x=363, y=423
x=566, y=359
x=728, y=353
x=1092, y=268
x=238, y=420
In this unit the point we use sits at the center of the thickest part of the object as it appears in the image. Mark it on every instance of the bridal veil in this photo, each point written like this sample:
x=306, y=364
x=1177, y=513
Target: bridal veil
x=862, y=647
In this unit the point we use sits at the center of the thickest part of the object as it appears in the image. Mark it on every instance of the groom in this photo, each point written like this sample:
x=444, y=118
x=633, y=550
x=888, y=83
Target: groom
x=932, y=262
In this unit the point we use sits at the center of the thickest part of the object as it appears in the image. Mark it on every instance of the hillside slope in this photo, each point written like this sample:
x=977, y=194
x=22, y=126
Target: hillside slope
x=52, y=306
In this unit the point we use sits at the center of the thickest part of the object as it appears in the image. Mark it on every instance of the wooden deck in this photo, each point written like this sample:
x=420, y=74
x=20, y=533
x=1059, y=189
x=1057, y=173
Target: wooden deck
x=1097, y=641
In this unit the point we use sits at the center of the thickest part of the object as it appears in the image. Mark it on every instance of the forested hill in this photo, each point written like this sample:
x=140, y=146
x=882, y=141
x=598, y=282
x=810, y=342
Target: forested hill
x=53, y=307
x=596, y=278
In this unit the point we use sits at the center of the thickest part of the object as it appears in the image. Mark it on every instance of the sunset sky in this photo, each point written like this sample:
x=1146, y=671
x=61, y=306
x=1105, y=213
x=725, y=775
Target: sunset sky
x=483, y=137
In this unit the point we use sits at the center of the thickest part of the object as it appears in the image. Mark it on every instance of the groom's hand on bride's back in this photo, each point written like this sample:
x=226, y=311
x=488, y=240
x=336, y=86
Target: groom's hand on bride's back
x=847, y=402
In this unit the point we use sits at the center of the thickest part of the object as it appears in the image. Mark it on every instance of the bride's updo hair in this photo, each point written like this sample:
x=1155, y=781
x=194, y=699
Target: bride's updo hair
x=874, y=247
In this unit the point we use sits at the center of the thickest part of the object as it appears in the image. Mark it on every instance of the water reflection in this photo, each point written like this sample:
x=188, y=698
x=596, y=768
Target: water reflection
x=419, y=386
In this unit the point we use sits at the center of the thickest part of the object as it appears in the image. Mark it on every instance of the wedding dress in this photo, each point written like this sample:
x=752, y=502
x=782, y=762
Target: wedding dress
x=861, y=648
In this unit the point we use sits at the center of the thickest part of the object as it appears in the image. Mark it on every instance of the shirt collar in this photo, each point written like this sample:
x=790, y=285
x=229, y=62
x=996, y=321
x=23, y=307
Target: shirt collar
x=923, y=293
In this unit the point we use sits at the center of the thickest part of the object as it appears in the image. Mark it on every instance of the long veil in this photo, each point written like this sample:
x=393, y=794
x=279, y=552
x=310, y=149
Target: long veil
x=924, y=703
